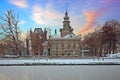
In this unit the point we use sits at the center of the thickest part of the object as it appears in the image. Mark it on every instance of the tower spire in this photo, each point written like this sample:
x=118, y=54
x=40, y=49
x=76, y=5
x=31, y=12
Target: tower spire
x=66, y=13
x=66, y=24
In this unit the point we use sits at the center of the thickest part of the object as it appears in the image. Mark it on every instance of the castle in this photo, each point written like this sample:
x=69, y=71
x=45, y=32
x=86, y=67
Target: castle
x=67, y=44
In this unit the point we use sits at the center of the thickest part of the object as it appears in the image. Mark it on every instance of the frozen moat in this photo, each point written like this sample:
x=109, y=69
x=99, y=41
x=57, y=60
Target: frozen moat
x=67, y=72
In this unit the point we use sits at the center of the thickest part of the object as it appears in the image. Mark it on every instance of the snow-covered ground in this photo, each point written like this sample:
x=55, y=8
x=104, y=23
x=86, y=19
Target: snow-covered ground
x=116, y=55
x=109, y=59
x=58, y=61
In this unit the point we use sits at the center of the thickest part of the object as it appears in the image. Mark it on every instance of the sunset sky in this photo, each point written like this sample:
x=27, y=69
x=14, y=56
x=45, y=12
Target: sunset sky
x=84, y=14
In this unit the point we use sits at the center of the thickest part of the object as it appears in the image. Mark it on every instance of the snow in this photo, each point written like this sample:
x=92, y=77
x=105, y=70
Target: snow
x=69, y=35
x=59, y=61
x=109, y=59
x=55, y=36
x=10, y=56
x=116, y=55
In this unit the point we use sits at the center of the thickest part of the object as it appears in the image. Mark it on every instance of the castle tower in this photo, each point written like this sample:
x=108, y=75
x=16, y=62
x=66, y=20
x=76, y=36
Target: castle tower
x=37, y=38
x=66, y=26
x=45, y=35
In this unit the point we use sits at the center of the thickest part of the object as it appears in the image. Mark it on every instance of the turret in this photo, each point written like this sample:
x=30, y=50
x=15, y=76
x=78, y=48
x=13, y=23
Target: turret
x=66, y=26
x=45, y=34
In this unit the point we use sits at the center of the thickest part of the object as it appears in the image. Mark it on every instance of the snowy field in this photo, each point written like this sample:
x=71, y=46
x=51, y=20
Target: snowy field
x=58, y=61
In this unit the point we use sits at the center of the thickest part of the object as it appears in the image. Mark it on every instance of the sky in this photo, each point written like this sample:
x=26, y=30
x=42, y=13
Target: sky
x=84, y=15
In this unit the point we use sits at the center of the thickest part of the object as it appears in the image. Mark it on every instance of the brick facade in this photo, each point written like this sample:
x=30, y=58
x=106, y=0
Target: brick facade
x=37, y=39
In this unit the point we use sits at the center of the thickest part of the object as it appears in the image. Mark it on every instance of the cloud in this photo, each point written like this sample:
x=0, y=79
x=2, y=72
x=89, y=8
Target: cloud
x=47, y=15
x=90, y=21
x=23, y=36
x=93, y=15
x=53, y=18
x=19, y=3
x=22, y=22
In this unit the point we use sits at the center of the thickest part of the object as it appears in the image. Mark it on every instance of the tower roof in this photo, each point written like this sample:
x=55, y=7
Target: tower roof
x=66, y=13
x=66, y=16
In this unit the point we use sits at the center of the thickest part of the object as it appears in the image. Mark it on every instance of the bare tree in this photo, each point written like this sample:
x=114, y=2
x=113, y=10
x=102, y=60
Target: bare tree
x=9, y=25
x=105, y=40
x=28, y=43
x=111, y=35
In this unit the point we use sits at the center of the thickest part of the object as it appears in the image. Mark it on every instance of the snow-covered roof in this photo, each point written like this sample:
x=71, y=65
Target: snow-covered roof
x=69, y=35
x=55, y=36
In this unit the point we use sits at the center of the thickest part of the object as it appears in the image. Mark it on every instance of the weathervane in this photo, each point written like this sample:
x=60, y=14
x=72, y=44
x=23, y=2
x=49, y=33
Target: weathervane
x=67, y=4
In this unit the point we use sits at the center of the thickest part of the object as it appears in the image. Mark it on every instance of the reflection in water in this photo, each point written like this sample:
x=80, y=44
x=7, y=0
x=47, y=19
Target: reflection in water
x=60, y=72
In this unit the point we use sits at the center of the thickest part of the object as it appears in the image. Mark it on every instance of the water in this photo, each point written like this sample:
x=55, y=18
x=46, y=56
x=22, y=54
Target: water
x=82, y=72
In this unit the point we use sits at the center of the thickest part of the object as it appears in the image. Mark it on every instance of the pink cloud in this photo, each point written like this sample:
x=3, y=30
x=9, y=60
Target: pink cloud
x=19, y=3
x=92, y=16
x=90, y=21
